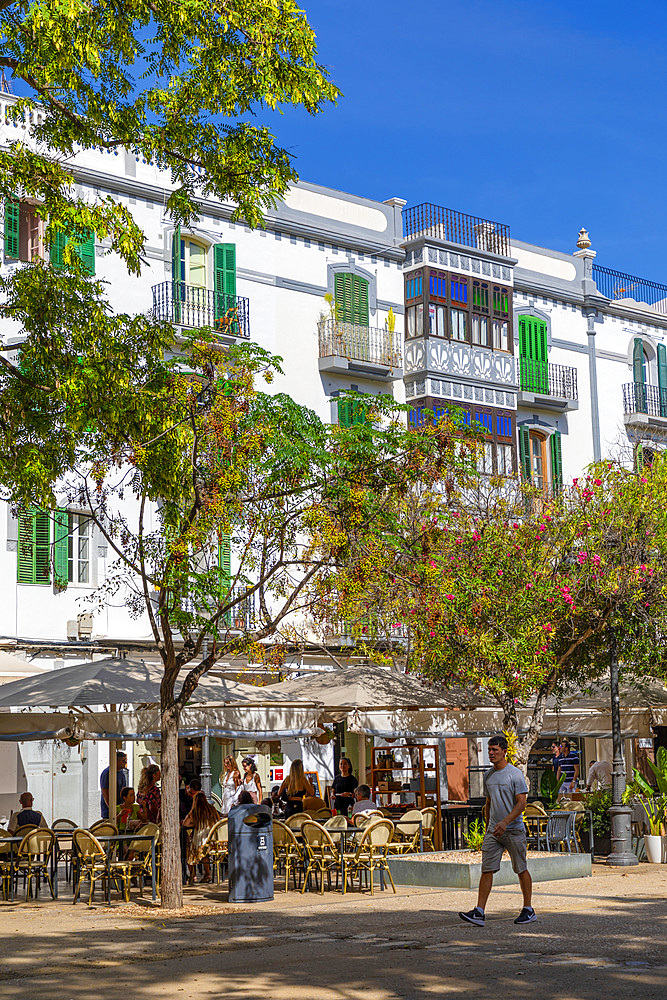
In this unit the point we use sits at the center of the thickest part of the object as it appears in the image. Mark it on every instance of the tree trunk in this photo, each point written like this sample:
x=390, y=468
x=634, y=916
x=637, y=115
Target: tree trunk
x=172, y=877
x=511, y=724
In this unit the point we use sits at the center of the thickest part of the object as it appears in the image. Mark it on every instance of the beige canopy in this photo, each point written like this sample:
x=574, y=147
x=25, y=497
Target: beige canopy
x=365, y=688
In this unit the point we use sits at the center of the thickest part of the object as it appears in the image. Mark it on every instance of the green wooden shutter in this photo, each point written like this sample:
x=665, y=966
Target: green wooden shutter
x=11, y=227
x=639, y=458
x=224, y=285
x=638, y=375
x=524, y=452
x=225, y=567
x=57, y=247
x=345, y=412
x=60, y=548
x=26, y=553
x=533, y=366
x=360, y=301
x=351, y=297
x=662, y=378
x=177, y=290
x=556, y=462
x=85, y=251
x=343, y=297
x=34, y=555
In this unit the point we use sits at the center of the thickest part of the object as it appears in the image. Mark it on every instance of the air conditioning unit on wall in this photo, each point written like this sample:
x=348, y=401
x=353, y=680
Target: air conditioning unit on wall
x=82, y=628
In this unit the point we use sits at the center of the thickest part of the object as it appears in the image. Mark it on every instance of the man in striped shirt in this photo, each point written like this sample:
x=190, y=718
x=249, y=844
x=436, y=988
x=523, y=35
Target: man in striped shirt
x=568, y=766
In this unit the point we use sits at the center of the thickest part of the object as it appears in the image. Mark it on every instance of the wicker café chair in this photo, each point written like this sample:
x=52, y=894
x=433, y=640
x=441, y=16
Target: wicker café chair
x=296, y=821
x=406, y=833
x=92, y=864
x=34, y=856
x=334, y=825
x=371, y=854
x=428, y=827
x=104, y=828
x=216, y=845
x=5, y=861
x=140, y=849
x=321, y=853
x=286, y=851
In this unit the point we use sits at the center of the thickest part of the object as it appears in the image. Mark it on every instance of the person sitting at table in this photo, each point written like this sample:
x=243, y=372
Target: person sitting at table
x=364, y=802
x=130, y=814
x=201, y=818
x=294, y=789
x=26, y=816
x=342, y=789
x=148, y=793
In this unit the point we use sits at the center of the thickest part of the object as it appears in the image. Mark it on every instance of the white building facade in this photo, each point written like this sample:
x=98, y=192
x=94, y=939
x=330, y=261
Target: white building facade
x=562, y=360
x=267, y=286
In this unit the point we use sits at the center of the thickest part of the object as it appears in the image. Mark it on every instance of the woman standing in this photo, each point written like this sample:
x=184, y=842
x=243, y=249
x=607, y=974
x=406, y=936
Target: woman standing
x=201, y=818
x=344, y=784
x=148, y=794
x=230, y=782
x=294, y=789
x=251, y=782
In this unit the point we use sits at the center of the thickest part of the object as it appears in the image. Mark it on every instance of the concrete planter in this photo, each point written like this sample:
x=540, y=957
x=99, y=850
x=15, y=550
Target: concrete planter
x=414, y=869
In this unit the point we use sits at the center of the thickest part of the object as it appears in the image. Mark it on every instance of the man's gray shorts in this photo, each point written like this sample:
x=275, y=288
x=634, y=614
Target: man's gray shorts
x=514, y=841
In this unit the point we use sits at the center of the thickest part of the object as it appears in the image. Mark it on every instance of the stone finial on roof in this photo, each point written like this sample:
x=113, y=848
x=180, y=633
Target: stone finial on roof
x=584, y=240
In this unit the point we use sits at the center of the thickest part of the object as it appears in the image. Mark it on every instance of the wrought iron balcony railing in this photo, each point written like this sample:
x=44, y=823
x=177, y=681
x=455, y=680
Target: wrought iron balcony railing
x=648, y=399
x=359, y=343
x=456, y=227
x=188, y=305
x=547, y=379
x=616, y=285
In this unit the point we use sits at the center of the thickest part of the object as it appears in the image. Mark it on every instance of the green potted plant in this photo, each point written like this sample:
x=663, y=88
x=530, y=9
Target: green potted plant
x=549, y=789
x=654, y=805
x=599, y=803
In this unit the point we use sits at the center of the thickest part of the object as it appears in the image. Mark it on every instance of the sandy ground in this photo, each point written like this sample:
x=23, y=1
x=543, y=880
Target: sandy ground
x=600, y=938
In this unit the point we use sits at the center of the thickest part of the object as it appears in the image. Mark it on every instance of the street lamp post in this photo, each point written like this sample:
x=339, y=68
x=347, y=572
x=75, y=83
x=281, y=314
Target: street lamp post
x=621, y=816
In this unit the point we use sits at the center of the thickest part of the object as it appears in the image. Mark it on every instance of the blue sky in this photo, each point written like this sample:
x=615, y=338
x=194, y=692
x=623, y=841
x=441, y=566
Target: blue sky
x=545, y=115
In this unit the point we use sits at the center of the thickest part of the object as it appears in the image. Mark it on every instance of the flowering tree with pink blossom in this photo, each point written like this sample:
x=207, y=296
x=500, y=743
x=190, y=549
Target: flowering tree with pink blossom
x=515, y=595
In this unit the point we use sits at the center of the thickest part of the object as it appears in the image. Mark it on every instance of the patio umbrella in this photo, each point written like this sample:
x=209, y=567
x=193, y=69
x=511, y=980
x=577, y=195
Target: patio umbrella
x=13, y=667
x=116, y=681
x=366, y=688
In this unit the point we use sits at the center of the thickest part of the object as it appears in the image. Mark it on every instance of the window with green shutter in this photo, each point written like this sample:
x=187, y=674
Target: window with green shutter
x=34, y=547
x=351, y=297
x=352, y=411
x=11, y=227
x=533, y=366
x=85, y=250
x=224, y=287
x=639, y=375
x=556, y=462
x=524, y=452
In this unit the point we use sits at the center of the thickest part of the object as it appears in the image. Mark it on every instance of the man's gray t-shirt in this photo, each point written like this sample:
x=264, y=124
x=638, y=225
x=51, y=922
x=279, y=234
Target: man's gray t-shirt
x=502, y=788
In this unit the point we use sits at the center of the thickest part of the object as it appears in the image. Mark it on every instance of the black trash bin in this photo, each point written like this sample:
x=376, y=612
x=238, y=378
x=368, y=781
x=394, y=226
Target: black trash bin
x=250, y=854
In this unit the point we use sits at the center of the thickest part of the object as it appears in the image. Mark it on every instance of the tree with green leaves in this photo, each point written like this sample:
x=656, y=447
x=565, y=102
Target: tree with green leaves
x=517, y=596
x=178, y=84
x=209, y=493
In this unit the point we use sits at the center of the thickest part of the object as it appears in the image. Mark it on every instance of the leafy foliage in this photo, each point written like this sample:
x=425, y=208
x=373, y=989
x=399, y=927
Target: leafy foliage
x=550, y=787
x=177, y=84
x=475, y=835
x=516, y=596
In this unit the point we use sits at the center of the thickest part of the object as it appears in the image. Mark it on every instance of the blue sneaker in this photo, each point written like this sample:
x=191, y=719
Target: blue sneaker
x=526, y=916
x=474, y=916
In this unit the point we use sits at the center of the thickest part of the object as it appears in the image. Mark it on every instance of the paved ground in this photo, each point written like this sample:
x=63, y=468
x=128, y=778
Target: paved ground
x=600, y=938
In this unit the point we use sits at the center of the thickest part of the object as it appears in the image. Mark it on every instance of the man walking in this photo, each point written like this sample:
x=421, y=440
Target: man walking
x=506, y=793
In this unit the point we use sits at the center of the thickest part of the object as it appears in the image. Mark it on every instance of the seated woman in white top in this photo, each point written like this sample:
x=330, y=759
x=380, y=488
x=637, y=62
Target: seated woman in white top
x=364, y=802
